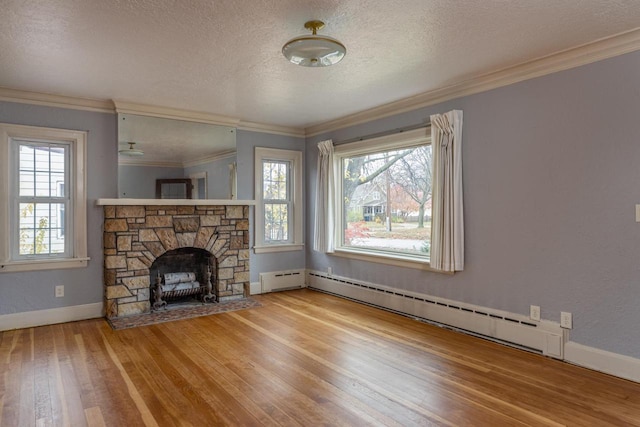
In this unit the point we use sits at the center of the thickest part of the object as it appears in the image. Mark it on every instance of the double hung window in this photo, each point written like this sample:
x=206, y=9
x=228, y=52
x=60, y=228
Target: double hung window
x=42, y=195
x=279, y=200
x=39, y=201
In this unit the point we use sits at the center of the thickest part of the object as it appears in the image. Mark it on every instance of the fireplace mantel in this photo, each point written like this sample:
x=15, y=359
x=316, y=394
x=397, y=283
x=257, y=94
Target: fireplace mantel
x=174, y=202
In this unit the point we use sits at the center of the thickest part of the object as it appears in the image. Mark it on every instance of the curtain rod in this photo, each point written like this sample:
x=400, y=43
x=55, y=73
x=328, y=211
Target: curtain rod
x=384, y=133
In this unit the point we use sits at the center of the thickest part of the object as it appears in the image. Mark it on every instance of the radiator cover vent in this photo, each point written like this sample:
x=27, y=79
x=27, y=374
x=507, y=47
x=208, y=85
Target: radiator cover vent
x=281, y=280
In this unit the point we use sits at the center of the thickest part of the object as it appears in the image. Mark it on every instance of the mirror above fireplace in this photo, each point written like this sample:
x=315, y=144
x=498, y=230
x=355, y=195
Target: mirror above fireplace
x=175, y=149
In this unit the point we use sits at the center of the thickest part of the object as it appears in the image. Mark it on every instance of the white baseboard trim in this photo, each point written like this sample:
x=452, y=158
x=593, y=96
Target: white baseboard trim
x=30, y=319
x=255, y=288
x=604, y=361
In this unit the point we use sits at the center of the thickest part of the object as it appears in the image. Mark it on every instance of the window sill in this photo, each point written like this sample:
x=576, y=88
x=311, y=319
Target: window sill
x=277, y=248
x=388, y=259
x=50, y=264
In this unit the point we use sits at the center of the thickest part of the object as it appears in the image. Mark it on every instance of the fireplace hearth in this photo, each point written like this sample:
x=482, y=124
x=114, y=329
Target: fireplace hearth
x=187, y=244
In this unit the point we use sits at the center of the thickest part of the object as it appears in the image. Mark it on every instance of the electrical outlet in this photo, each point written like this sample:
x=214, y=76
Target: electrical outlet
x=59, y=291
x=534, y=312
x=565, y=320
x=330, y=271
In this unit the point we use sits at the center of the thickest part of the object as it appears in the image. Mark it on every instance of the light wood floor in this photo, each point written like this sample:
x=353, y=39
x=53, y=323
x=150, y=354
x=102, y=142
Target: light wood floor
x=304, y=358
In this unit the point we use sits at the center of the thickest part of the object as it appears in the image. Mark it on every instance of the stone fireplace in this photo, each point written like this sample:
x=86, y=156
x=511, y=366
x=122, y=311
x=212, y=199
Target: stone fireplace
x=135, y=236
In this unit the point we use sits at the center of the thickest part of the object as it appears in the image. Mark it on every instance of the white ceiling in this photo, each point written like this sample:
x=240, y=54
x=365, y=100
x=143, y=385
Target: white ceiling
x=223, y=57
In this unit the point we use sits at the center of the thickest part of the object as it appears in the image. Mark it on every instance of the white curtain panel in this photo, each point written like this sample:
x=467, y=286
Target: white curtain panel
x=324, y=232
x=447, y=222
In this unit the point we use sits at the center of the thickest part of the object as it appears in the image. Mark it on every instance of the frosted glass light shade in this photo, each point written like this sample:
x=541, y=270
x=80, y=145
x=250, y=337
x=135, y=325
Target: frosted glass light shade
x=131, y=152
x=314, y=50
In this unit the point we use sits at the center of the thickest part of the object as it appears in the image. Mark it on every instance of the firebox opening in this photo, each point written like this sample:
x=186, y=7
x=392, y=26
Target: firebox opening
x=183, y=275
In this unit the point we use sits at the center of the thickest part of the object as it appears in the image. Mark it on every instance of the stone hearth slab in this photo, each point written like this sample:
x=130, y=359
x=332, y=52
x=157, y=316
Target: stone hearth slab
x=181, y=313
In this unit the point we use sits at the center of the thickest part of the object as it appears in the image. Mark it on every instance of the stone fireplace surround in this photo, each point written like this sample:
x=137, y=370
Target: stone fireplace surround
x=135, y=235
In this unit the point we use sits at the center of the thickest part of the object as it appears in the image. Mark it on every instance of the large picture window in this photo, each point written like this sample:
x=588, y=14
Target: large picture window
x=42, y=198
x=384, y=196
x=279, y=200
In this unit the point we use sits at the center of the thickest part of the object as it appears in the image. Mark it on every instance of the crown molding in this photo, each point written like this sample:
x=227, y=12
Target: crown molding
x=51, y=100
x=202, y=117
x=126, y=161
x=274, y=129
x=130, y=162
x=208, y=159
x=125, y=107
x=598, y=50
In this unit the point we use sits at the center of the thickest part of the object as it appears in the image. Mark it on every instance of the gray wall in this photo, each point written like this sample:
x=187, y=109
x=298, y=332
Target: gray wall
x=246, y=142
x=217, y=176
x=35, y=290
x=551, y=178
x=139, y=182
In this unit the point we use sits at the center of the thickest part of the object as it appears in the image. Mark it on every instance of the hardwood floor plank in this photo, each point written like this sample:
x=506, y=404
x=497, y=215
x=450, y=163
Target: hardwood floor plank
x=12, y=381
x=117, y=406
x=303, y=358
x=425, y=412
x=43, y=347
x=399, y=372
x=254, y=401
x=248, y=344
x=145, y=413
x=314, y=388
x=94, y=417
x=27, y=381
x=524, y=411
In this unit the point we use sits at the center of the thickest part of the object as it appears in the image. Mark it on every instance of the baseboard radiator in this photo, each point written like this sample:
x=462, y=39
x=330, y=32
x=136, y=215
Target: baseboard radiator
x=281, y=280
x=543, y=337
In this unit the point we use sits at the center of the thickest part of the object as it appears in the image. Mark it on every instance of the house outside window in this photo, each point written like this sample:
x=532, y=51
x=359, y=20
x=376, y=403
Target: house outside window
x=42, y=198
x=383, y=202
x=278, y=191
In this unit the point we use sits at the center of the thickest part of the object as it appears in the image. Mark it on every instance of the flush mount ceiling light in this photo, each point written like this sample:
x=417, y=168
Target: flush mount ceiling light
x=131, y=152
x=314, y=50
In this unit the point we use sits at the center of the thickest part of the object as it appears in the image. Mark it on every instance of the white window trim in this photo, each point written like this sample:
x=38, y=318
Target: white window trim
x=78, y=140
x=295, y=157
x=416, y=137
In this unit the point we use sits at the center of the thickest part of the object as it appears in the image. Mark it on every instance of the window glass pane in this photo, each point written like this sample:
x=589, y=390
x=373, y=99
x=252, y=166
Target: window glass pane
x=387, y=201
x=27, y=240
x=27, y=183
x=57, y=159
x=276, y=223
x=43, y=184
x=275, y=180
x=41, y=228
x=42, y=168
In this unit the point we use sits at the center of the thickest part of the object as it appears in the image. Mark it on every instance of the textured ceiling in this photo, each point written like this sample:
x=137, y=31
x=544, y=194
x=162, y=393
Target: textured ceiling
x=223, y=57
